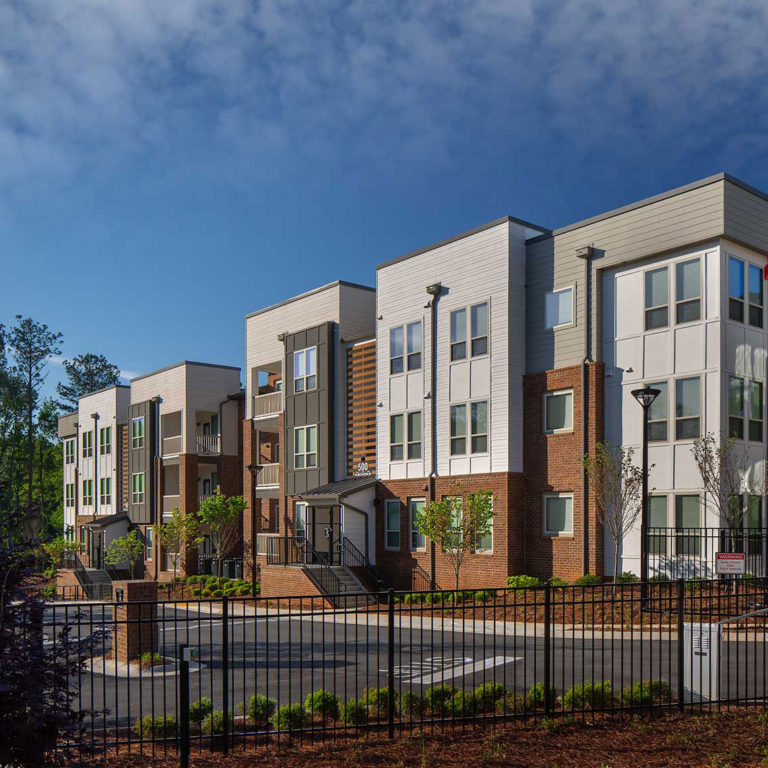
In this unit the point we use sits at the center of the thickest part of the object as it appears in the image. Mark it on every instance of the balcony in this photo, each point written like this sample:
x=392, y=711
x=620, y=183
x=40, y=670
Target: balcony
x=266, y=411
x=208, y=445
x=169, y=504
x=269, y=477
x=204, y=497
x=172, y=445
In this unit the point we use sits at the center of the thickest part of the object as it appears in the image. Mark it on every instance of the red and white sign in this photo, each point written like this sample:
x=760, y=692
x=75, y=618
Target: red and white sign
x=734, y=563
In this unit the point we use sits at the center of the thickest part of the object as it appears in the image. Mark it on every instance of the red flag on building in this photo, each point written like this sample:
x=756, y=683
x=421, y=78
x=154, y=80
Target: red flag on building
x=765, y=272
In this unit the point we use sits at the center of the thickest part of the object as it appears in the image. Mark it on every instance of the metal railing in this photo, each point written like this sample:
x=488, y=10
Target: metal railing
x=414, y=663
x=171, y=445
x=319, y=571
x=363, y=568
x=282, y=550
x=170, y=502
x=269, y=475
x=208, y=445
x=270, y=404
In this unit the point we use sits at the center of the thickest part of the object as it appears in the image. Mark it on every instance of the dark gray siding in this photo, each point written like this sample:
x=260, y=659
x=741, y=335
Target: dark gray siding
x=142, y=460
x=314, y=407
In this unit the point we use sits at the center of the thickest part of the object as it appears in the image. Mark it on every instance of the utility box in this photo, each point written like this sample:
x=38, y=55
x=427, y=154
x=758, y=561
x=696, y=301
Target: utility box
x=701, y=655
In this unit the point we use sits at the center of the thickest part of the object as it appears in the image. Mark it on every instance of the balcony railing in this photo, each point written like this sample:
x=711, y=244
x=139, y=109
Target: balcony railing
x=208, y=445
x=170, y=503
x=267, y=405
x=204, y=497
x=269, y=475
x=171, y=445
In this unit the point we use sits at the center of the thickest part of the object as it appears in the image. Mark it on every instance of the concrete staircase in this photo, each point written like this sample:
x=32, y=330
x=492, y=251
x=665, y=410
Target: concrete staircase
x=97, y=584
x=347, y=583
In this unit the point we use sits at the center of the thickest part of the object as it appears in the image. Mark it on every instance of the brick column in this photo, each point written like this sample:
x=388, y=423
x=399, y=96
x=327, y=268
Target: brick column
x=135, y=619
x=188, y=503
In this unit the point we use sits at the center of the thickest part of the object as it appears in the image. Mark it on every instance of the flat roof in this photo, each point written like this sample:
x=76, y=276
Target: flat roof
x=325, y=287
x=461, y=236
x=186, y=362
x=104, y=389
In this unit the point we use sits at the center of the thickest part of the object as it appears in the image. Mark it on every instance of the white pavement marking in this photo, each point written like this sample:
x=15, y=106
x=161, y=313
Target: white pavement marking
x=459, y=668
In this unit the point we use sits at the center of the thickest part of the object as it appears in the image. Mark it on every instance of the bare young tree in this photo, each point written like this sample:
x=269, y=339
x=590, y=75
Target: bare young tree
x=618, y=488
x=221, y=516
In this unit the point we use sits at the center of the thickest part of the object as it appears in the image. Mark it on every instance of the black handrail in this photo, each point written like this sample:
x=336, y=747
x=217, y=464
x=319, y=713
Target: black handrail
x=325, y=578
x=354, y=558
x=282, y=551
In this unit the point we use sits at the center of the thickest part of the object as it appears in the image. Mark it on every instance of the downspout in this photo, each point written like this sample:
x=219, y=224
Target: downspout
x=284, y=444
x=156, y=485
x=434, y=291
x=96, y=453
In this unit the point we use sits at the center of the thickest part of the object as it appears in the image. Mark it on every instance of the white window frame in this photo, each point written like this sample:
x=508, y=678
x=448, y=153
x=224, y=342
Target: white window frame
x=69, y=451
x=485, y=550
x=69, y=495
x=149, y=543
x=87, y=444
x=646, y=308
x=748, y=298
x=394, y=531
x=137, y=432
x=468, y=339
x=468, y=433
x=87, y=493
x=685, y=418
x=392, y=443
x=462, y=340
x=699, y=298
x=546, y=397
x=413, y=529
x=307, y=381
x=105, y=441
x=740, y=417
x=401, y=357
x=552, y=294
x=412, y=352
x=565, y=534
x=744, y=289
x=105, y=498
x=305, y=429
x=655, y=385
x=451, y=436
x=137, y=497
x=303, y=506
x=412, y=440
x=751, y=384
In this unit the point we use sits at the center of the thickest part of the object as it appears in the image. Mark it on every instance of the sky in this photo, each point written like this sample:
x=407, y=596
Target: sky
x=167, y=167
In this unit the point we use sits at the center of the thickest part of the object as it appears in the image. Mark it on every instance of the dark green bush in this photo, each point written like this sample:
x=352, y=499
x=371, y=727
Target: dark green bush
x=377, y=700
x=462, y=704
x=150, y=659
x=197, y=592
x=323, y=703
x=159, y=727
x=411, y=704
x=646, y=693
x=354, y=712
x=588, y=579
x=524, y=582
x=260, y=708
x=205, y=593
x=434, y=598
x=510, y=704
x=484, y=595
x=534, y=696
x=556, y=581
x=200, y=709
x=217, y=593
x=588, y=695
x=242, y=591
x=626, y=577
x=413, y=598
x=659, y=577
x=291, y=717
x=438, y=696
x=213, y=724
x=487, y=694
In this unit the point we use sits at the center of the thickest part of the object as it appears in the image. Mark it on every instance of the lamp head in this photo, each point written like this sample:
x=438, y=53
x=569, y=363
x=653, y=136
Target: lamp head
x=645, y=396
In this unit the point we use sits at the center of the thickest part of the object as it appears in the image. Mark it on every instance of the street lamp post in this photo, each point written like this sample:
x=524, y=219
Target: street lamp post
x=645, y=397
x=254, y=469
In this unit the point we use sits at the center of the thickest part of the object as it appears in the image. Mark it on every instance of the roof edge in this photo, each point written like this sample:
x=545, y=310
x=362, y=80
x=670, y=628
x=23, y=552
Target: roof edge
x=320, y=289
x=186, y=362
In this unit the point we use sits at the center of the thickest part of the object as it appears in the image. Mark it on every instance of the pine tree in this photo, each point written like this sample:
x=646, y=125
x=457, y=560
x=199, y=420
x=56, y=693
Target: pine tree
x=85, y=374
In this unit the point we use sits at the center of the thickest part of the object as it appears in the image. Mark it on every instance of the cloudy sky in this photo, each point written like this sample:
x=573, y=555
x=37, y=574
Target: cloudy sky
x=166, y=167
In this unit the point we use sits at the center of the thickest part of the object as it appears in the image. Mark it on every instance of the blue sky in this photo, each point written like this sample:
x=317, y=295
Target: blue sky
x=167, y=167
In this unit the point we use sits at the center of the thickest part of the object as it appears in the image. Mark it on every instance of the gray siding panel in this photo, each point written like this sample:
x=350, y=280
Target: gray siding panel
x=141, y=460
x=746, y=217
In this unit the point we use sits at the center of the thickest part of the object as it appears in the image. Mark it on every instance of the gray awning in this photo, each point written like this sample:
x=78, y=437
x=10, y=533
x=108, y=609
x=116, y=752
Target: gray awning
x=336, y=491
x=104, y=522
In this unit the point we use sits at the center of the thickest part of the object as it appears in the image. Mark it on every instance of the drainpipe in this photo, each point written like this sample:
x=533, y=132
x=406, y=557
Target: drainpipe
x=157, y=499
x=96, y=453
x=434, y=292
x=284, y=443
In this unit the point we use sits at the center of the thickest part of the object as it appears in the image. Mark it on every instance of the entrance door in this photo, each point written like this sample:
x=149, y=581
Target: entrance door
x=97, y=549
x=325, y=533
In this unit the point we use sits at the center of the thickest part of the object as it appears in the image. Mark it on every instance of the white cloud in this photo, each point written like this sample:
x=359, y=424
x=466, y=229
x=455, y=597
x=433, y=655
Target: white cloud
x=128, y=375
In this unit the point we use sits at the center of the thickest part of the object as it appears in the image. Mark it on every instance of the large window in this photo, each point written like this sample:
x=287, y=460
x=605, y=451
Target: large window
x=396, y=437
x=149, y=543
x=657, y=522
x=688, y=523
x=396, y=364
x=656, y=298
x=398, y=440
x=558, y=514
x=413, y=340
x=558, y=411
x=69, y=494
x=687, y=408
x=392, y=521
x=755, y=412
x=736, y=289
x=478, y=428
x=418, y=540
x=305, y=369
x=755, y=285
x=458, y=430
x=87, y=493
x=414, y=435
x=300, y=519
x=137, y=488
x=745, y=403
x=688, y=291
x=105, y=490
x=485, y=543
x=304, y=447
x=558, y=308
x=658, y=413
x=105, y=441
x=459, y=334
x=69, y=451
x=478, y=331
x=87, y=444
x=736, y=407
x=137, y=432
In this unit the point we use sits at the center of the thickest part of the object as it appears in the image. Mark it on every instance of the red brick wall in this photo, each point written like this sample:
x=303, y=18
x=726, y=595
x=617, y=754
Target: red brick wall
x=135, y=619
x=552, y=464
x=281, y=580
x=188, y=501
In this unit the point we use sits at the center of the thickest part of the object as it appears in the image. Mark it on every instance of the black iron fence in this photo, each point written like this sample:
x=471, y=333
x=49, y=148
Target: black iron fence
x=296, y=668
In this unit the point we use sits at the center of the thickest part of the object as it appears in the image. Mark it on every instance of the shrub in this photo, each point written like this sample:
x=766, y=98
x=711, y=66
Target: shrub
x=523, y=582
x=588, y=695
x=258, y=588
x=159, y=727
x=229, y=591
x=377, y=700
x=412, y=704
x=323, y=703
x=178, y=579
x=556, y=581
x=434, y=597
x=51, y=572
x=588, y=579
x=200, y=709
x=626, y=577
x=205, y=593
x=217, y=593
x=260, y=708
x=484, y=595
x=646, y=693
x=413, y=598
x=462, y=704
x=659, y=577
x=487, y=694
x=510, y=703
x=354, y=712
x=534, y=696
x=459, y=597
x=193, y=579
x=197, y=592
x=241, y=591
x=49, y=592
x=213, y=724
x=150, y=659
x=290, y=717
x=438, y=696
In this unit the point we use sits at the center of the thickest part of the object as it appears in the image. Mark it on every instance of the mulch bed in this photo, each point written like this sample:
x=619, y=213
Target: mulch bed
x=734, y=738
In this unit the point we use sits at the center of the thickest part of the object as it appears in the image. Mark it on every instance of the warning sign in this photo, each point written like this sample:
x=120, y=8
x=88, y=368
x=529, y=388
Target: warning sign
x=734, y=563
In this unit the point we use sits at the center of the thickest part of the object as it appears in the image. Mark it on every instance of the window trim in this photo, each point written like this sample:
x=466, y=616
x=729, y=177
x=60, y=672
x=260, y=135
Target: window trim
x=468, y=339
x=678, y=535
x=305, y=377
x=477, y=550
x=105, y=441
x=684, y=418
x=305, y=429
x=69, y=495
x=149, y=543
x=138, y=497
x=409, y=441
x=87, y=444
x=747, y=300
x=69, y=451
x=105, y=499
x=545, y=398
x=741, y=417
x=87, y=500
x=407, y=347
x=388, y=530
x=656, y=384
x=413, y=529
x=392, y=444
x=303, y=505
x=656, y=537
x=646, y=308
x=748, y=411
x=566, y=534
x=451, y=436
x=572, y=289
x=468, y=433
x=137, y=440
x=401, y=356
x=463, y=340
x=744, y=289
x=698, y=298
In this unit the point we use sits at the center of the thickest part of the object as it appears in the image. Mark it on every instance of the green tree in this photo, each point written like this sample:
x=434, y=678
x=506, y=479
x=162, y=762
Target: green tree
x=85, y=374
x=220, y=514
x=57, y=548
x=125, y=551
x=456, y=523
x=177, y=534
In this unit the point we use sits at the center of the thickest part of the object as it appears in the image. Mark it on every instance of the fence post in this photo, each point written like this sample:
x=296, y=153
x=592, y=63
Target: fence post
x=680, y=644
x=183, y=705
x=391, y=663
x=547, y=659
x=225, y=671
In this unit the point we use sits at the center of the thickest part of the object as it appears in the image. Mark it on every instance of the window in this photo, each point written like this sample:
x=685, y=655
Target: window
x=558, y=308
x=300, y=520
x=137, y=488
x=479, y=426
x=414, y=435
x=414, y=345
x=558, y=411
x=756, y=411
x=687, y=524
x=105, y=441
x=69, y=494
x=305, y=447
x=558, y=514
x=479, y=329
x=458, y=430
x=755, y=286
x=69, y=451
x=418, y=540
x=82, y=538
x=459, y=334
x=457, y=515
x=736, y=407
x=87, y=493
x=395, y=350
x=305, y=369
x=396, y=437
x=754, y=520
x=658, y=413
x=657, y=523
x=736, y=289
x=137, y=432
x=656, y=299
x=485, y=543
x=687, y=408
x=392, y=534
x=105, y=490
x=149, y=543
x=688, y=296
x=87, y=444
